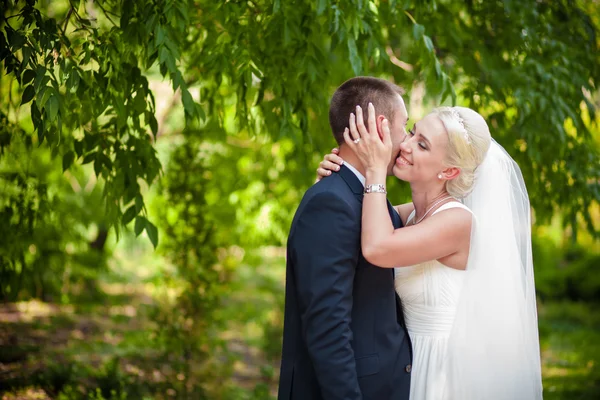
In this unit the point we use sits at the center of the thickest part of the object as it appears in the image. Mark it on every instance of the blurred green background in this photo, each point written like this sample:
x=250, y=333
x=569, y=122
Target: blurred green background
x=153, y=153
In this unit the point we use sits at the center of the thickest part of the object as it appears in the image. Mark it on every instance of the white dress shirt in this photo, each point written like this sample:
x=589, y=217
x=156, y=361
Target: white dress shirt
x=360, y=176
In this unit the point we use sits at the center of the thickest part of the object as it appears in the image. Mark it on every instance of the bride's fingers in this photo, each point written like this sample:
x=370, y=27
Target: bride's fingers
x=372, y=119
x=348, y=139
x=329, y=166
x=360, y=123
x=334, y=158
x=353, y=130
x=321, y=172
x=335, y=150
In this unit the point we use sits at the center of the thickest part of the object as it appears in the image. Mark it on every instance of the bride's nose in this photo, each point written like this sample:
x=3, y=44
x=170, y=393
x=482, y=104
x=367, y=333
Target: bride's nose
x=404, y=145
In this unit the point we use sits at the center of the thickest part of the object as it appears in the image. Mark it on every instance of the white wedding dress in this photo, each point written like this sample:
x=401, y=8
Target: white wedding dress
x=430, y=293
x=474, y=331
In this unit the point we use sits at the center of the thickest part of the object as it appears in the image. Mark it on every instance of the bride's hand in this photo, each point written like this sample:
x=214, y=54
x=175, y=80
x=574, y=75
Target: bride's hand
x=374, y=153
x=331, y=162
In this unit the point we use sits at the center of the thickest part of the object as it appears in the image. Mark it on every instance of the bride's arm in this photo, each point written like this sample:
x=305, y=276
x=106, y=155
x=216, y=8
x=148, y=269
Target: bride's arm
x=382, y=245
x=332, y=163
x=436, y=237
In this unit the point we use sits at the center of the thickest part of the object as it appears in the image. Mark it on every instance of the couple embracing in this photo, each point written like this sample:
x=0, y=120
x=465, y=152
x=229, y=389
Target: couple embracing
x=428, y=300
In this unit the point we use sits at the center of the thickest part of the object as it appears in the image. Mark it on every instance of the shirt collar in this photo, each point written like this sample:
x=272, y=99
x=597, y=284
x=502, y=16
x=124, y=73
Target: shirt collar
x=360, y=176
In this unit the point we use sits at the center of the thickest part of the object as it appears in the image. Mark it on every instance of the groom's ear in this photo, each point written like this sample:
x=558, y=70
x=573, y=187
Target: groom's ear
x=380, y=119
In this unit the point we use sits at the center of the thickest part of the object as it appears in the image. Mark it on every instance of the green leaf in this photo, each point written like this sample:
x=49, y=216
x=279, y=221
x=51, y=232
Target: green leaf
x=428, y=43
x=140, y=224
x=43, y=96
x=52, y=107
x=78, y=145
x=41, y=130
x=26, y=55
x=163, y=55
x=73, y=81
x=98, y=165
x=126, y=12
x=160, y=35
x=153, y=124
x=200, y=112
x=188, y=103
x=152, y=233
x=321, y=6
x=68, y=159
x=40, y=75
x=89, y=158
x=91, y=141
x=139, y=202
x=438, y=69
x=139, y=102
x=16, y=40
x=355, y=60
x=28, y=94
x=129, y=215
x=28, y=76
x=418, y=31
x=106, y=161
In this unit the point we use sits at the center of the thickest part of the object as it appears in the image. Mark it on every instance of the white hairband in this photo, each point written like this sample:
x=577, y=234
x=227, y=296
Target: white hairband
x=461, y=122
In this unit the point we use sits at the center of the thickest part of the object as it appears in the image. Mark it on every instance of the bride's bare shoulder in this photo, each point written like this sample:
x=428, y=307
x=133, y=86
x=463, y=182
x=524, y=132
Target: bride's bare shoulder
x=404, y=210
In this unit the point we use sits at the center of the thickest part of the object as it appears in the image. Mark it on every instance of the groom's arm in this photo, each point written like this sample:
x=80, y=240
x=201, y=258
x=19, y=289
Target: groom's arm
x=326, y=248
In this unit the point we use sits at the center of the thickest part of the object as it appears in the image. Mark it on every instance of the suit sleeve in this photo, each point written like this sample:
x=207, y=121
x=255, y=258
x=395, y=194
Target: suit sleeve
x=326, y=247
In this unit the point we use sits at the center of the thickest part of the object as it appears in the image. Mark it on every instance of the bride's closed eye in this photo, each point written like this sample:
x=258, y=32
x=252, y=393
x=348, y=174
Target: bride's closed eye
x=411, y=133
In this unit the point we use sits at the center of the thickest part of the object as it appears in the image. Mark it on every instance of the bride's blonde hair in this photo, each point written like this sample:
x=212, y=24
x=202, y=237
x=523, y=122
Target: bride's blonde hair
x=468, y=142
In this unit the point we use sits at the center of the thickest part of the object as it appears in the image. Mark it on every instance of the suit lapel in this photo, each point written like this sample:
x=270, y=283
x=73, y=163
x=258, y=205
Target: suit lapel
x=393, y=214
x=396, y=220
x=353, y=182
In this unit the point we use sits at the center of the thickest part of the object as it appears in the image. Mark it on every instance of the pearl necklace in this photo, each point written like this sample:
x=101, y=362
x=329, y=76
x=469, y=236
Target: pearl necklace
x=431, y=208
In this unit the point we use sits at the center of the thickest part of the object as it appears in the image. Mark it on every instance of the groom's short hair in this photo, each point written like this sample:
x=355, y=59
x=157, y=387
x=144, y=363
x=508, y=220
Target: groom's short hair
x=360, y=91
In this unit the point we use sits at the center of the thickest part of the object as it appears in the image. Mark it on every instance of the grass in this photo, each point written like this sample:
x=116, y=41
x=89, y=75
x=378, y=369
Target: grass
x=108, y=342
x=570, y=342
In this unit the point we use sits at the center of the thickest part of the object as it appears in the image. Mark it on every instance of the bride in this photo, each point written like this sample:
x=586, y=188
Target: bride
x=462, y=261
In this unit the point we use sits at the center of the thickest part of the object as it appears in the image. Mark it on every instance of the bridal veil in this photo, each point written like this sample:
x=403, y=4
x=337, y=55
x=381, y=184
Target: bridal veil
x=493, y=350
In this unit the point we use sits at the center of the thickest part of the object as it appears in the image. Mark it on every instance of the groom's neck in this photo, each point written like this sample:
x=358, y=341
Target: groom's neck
x=348, y=156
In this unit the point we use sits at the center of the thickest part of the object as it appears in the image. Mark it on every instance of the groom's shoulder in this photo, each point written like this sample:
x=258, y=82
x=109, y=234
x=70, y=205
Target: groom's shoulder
x=330, y=187
x=331, y=191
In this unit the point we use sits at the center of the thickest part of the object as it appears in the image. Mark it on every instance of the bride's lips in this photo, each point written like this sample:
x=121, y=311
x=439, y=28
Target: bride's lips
x=402, y=161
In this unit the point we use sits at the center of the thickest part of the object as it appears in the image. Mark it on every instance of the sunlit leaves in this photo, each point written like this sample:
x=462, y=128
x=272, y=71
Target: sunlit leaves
x=249, y=69
x=86, y=79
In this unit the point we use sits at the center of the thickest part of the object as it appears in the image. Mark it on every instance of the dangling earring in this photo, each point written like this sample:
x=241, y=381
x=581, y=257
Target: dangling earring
x=439, y=176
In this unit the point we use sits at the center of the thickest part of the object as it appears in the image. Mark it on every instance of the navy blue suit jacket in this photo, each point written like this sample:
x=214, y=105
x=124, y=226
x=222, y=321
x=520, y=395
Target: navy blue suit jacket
x=344, y=335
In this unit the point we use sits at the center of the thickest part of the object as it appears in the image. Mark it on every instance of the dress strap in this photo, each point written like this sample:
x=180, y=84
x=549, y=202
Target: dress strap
x=410, y=217
x=447, y=206
x=452, y=204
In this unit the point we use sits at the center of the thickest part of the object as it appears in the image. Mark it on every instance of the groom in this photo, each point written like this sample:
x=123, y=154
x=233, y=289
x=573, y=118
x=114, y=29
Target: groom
x=344, y=335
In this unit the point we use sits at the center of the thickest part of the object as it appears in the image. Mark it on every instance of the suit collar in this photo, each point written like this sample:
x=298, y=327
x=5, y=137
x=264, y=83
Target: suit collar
x=356, y=172
x=352, y=181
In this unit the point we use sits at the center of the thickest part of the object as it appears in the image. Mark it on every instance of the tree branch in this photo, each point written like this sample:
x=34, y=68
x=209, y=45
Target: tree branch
x=64, y=28
x=106, y=13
